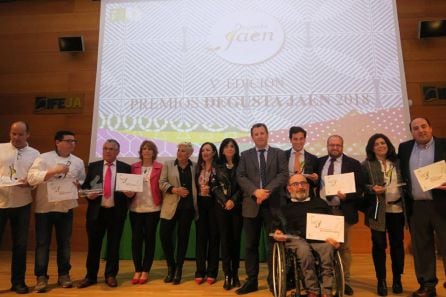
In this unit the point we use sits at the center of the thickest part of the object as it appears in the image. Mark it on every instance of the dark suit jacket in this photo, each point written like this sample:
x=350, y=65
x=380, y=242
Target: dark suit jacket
x=311, y=166
x=349, y=205
x=439, y=196
x=95, y=172
x=248, y=177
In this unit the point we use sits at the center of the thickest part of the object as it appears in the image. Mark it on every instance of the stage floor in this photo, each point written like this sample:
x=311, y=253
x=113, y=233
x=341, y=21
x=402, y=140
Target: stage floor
x=363, y=279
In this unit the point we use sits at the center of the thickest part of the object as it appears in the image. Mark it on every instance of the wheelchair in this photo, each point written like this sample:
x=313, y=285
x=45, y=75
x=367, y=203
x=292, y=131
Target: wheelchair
x=287, y=274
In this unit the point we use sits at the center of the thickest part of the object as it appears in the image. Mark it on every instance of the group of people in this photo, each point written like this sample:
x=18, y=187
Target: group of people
x=224, y=192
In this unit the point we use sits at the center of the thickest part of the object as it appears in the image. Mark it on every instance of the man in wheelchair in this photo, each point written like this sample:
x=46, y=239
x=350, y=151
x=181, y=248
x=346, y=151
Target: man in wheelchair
x=291, y=220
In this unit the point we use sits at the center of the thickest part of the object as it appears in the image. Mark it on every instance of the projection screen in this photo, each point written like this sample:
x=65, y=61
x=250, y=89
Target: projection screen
x=203, y=70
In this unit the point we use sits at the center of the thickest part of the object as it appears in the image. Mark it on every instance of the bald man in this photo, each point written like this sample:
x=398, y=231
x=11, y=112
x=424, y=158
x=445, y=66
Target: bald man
x=16, y=157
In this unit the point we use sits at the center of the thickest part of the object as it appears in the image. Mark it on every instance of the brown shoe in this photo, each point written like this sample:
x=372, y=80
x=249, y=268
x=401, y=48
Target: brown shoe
x=86, y=282
x=111, y=281
x=425, y=292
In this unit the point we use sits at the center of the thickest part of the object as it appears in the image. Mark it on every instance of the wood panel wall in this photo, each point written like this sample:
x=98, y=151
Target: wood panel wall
x=31, y=65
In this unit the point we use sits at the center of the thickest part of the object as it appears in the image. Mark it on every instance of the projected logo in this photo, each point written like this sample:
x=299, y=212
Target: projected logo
x=246, y=38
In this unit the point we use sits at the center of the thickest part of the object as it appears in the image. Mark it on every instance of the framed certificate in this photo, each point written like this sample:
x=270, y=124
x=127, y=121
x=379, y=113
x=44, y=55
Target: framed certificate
x=322, y=226
x=61, y=189
x=431, y=176
x=344, y=183
x=129, y=182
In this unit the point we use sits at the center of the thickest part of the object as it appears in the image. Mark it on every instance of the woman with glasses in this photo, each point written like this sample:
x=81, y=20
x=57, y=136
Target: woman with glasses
x=145, y=211
x=385, y=211
x=229, y=210
x=207, y=237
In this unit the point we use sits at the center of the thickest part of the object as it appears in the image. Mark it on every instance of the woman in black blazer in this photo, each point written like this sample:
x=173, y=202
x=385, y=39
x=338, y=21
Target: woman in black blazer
x=229, y=210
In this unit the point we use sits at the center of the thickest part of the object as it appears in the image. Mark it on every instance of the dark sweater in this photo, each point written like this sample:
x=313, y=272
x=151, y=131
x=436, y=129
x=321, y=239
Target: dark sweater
x=292, y=218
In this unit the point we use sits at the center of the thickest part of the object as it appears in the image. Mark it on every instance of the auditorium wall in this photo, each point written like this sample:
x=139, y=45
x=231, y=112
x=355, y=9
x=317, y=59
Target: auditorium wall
x=31, y=65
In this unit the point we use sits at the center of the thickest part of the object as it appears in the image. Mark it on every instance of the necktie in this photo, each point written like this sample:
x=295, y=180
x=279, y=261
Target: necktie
x=331, y=166
x=262, y=168
x=108, y=181
x=331, y=172
x=297, y=168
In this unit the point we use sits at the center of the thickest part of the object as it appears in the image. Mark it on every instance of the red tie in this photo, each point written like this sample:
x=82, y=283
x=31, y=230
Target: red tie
x=108, y=181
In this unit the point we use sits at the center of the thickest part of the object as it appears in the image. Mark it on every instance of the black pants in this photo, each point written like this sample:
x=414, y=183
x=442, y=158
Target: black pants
x=143, y=233
x=19, y=220
x=424, y=222
x=230, y=224
x=252, y=228
x=182, y=220
x=207, y=242
x=108, y=221
x=395, y=231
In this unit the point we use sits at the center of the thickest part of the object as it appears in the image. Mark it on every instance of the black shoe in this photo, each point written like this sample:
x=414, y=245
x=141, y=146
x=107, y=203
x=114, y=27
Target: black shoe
x=348, y=290
x=425, y=292
x=236, y=281
x=169, y=276
x=86, y=282
x=20, y=288
x=177, y=276
x=111, y=281
x=248, y=287
x=381, y=288
x=227, y=284
x=397, y=287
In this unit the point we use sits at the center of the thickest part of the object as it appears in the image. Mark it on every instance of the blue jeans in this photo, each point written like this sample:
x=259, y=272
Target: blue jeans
x=19, y=221
x=62, y=223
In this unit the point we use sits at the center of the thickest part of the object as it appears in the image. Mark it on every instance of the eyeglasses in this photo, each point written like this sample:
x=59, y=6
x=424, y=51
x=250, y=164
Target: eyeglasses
x=335, y=145
x=302, y=184
x=71, y=141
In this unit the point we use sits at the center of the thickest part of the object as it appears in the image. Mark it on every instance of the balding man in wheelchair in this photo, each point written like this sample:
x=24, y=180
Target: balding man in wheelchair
x=291, y=220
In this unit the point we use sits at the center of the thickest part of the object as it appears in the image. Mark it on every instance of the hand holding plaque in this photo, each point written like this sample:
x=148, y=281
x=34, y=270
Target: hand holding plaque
x=129, y=182
x=431, y=176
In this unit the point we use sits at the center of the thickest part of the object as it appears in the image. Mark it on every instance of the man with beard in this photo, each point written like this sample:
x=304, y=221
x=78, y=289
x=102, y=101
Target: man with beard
x=292, y=220
x=342, y=204
x=426, y=211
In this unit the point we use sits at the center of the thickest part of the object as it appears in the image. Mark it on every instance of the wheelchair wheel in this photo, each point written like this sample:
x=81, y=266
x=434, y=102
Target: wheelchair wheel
x=339, y=282
x=279, y=270
x=298, y=277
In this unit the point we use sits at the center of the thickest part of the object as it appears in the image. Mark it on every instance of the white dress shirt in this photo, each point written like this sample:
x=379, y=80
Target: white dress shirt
x=143, y=202
x=36, y=176
x=15, y=163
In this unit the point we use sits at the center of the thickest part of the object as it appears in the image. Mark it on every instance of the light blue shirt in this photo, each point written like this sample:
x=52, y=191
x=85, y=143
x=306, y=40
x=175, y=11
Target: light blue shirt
x=422, y=155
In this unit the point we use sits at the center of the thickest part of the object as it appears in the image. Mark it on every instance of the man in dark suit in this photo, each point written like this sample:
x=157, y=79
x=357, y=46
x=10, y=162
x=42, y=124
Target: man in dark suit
x=426, y=211
x=262, y=174
x=106, y=212
x=299, y=160
x=336, y=162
